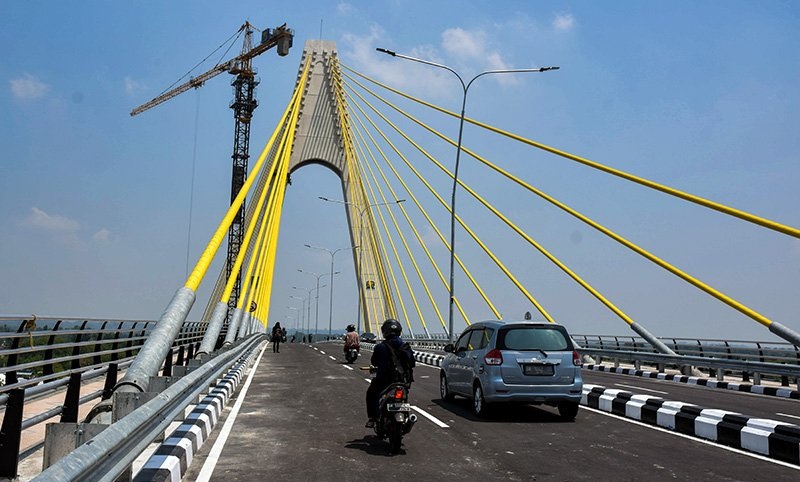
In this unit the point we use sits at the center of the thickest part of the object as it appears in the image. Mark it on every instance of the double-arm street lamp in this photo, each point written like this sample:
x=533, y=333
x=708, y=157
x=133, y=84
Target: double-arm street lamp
x=332, y=253
x=318, y=276
x=465, y=87
x=302, y=312
x=360, y=246
x=308, y=318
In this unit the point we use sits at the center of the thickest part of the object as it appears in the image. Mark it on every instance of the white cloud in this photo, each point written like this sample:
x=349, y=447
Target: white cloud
x=48, y=222
x=28, y=87
x=132, y=86
x=102, y=236
x=344, y=8
x=463, y=44
x=398, y=73
x=564, y=22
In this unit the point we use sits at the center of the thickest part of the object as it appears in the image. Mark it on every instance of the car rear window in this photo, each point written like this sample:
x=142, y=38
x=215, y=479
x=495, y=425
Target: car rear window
x=528, y=338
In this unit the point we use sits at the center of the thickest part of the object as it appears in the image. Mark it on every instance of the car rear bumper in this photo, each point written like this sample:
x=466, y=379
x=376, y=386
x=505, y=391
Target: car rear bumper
x=501, y=392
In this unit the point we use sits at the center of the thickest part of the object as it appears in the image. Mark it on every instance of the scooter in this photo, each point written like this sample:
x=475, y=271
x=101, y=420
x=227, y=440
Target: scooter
x=351, y=355
x=395, y=419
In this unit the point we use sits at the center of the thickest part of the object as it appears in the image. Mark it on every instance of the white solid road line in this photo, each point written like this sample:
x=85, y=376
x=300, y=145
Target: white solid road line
x=430, y=417
x=208, y=467
x=640, y=388
x=787, y=415
x=695, y=439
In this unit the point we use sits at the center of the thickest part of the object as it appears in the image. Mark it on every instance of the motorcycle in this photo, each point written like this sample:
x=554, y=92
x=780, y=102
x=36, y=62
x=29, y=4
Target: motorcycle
x=351, y=355
x=395, y=419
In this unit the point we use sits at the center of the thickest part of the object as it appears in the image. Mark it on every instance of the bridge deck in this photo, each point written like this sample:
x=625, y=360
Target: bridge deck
x=302, y=419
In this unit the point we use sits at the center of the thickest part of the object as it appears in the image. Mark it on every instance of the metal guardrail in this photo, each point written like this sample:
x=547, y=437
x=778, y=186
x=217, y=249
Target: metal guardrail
x=748, y=358
x=113, y=450
x=40, y=356
x=760, y=351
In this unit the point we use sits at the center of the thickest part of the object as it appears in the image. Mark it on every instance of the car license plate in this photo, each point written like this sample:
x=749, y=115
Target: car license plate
x=530, y=369
x=396, y=407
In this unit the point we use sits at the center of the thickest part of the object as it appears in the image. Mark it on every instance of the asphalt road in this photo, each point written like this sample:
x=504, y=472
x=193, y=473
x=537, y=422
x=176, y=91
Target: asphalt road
x=303, y=415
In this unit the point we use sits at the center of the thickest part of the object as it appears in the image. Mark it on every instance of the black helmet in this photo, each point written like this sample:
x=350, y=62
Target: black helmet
x=391, y=327
x=351, y=327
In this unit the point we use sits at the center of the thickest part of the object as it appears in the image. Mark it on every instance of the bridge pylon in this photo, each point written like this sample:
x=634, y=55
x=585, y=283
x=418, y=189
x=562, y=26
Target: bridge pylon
x=323, y=137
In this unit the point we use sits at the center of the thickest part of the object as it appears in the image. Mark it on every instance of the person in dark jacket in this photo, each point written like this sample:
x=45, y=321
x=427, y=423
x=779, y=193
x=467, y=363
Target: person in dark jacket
x=277, y=334
x=385, y=371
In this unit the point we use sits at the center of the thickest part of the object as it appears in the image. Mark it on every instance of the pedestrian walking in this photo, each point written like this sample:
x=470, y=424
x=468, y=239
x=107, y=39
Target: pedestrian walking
x=277, y=334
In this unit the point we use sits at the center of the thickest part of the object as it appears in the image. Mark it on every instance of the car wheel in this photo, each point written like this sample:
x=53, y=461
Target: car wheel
x=568, y=410
x=445, y=392
x=479, y=405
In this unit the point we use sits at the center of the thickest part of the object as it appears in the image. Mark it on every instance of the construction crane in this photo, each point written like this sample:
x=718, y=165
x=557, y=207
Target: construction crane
x=243, y=105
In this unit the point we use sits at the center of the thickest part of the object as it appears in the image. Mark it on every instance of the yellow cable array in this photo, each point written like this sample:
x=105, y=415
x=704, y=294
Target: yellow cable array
x=408, y=219
x=358, y=195
x=749, y=312
x=405, y=244
x=405, y=317
x=444, y=241
x=469, y=231
x=275, y=218
x=767, y=223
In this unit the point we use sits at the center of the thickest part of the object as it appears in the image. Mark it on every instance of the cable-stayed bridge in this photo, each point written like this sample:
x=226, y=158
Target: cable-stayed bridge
x=396, y=192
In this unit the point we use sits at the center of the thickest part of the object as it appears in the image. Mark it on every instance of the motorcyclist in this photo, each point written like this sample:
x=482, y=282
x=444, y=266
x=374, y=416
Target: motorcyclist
x=351, y=339
x=382, y=360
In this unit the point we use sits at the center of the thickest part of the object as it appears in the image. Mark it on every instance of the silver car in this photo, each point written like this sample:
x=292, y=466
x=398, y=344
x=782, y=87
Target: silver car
x=495, y=361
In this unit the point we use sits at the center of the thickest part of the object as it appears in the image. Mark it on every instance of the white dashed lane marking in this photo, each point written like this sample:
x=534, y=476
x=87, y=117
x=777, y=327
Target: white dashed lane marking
x=430, y=417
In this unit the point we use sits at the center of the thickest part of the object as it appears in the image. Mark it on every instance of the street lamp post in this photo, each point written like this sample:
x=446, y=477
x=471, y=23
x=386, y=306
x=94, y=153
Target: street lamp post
x=318, y=276
x=307, y=290
x=465, y=88
x=330, y=309
x=303, y=312
x=361, y=297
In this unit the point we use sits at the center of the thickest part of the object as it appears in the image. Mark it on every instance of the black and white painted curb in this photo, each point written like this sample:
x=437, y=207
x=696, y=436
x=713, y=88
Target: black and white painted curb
x=705, y=382
x=774, y=439
x=174, y=456
x=420, y=356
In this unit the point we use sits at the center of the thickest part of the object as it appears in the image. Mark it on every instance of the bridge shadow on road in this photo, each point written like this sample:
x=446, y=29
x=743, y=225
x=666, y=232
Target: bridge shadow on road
x=502, y=413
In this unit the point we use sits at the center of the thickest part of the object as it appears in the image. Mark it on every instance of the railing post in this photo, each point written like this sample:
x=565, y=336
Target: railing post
x=129, y=353
x=111, y=380
x=11, y=434
x=115, y=355
x=76, y=350
x=69, y=414
x=48, y=353
x=179, y=361
x=98, y=347
x=190, y=353
x=167, y=372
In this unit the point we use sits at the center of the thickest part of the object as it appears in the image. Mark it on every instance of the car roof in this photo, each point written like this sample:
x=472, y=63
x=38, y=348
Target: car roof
x=511, y=323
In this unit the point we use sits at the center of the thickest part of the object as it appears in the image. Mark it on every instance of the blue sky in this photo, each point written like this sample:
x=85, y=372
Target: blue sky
x=701, y=96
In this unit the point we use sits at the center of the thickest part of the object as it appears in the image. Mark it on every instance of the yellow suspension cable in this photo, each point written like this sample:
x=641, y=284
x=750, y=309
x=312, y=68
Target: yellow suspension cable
x=444, y=241
x=405, y=243
x=275, y=219
x=360, y=146
x=749, y=312
x=764, y=222
x=469, y=231
x=407, y=217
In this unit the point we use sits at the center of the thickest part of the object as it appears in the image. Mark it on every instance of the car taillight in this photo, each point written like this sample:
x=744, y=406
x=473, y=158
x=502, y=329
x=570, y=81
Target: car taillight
x=576, y=359
x=399, y=393
x=494, y=357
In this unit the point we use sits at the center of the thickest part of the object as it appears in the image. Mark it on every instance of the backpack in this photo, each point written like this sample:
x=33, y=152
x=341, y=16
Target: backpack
x=403, y=363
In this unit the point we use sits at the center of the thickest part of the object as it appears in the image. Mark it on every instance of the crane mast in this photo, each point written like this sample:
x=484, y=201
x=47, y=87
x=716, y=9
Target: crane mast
x=243, y=105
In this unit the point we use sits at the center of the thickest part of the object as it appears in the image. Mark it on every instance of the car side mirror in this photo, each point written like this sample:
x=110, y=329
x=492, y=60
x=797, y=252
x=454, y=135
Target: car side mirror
x=448, y=348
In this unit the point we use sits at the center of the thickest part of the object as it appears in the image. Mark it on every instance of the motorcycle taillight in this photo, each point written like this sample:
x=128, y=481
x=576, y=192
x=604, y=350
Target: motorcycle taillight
x=399, y=393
